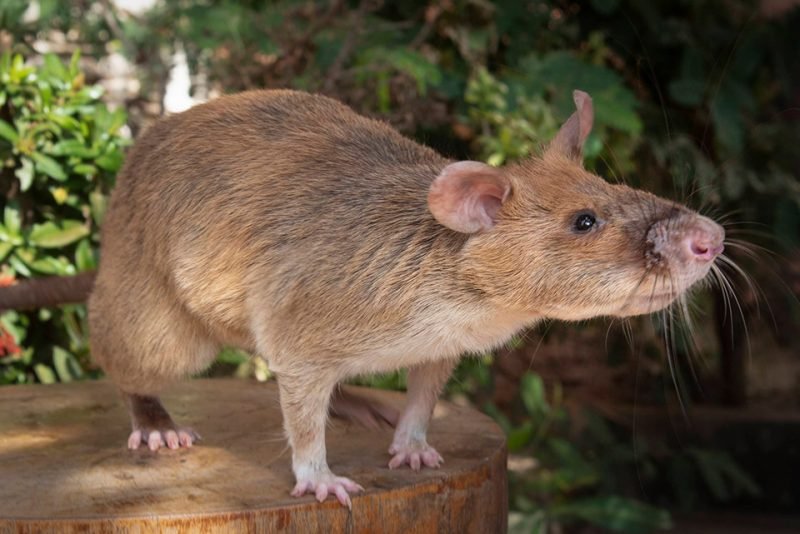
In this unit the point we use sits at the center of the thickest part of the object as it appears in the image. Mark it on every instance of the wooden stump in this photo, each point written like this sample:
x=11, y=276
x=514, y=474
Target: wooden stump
x=64, y=467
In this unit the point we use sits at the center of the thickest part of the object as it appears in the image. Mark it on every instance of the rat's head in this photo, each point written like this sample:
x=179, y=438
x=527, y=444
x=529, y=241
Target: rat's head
x=551, y=239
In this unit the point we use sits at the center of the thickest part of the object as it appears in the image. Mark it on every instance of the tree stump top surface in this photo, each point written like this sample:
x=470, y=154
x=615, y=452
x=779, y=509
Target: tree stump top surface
x=65, y=466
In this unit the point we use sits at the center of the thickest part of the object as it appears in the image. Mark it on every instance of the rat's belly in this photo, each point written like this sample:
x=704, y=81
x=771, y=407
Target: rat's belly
x=449, y=333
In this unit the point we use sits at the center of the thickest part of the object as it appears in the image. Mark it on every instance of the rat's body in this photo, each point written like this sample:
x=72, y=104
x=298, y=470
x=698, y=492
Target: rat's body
x=287, y=225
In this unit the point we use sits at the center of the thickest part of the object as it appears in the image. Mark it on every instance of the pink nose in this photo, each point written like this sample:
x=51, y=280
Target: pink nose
x=704, y=249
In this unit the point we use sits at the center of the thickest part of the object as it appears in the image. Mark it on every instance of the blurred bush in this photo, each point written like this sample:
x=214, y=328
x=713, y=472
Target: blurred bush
x=60, y=147
x=584, y=469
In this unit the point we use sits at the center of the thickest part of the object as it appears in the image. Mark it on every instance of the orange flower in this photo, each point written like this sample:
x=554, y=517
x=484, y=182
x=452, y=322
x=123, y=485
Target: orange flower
x=8, y=344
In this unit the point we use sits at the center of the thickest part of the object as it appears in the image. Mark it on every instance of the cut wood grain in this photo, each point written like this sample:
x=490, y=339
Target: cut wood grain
x=64, y=467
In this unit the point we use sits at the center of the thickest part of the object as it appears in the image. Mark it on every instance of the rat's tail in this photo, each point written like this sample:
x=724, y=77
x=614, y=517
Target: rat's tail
x=49, y=291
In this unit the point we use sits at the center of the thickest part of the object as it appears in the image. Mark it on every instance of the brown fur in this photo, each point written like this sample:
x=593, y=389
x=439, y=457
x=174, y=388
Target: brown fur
x=285, y=224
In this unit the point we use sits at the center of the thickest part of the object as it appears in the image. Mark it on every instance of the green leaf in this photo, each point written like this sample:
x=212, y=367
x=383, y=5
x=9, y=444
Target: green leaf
x=50, y=235
x=528, y=523
x=84, y=256
x=415, y=65
x=5, y=249
x=616, y=514
x=24, y=174
x=8, y=132
x=44, y=373
x=71, y=319
x=73, y=147
x=74, y=65
x=45, y=94
x=11, y=219
x=102, y=121
x=54, y=68
x=52, y=266
x=496, y=159
x=18, y=71
x=49, y=166
x=66, y=122
x=110, y=161
x=60, y=358
x=85, y=169
x=722, y=476
x=532, y=392
x=98, y=202
x=559, y=73
x=232, y=356
x=66, y=365
x=18, y=265
x=118, y=118
x=520, y=436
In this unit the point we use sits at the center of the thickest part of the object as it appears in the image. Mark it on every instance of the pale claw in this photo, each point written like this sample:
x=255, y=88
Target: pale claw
x=171, y=438
x=135, y=439
x=154, y=441
x=324, y=484
x=415, y=455
x=187, y=438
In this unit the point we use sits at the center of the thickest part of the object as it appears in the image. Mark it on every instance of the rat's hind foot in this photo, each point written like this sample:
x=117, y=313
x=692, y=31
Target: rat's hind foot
x=415, y=454
x=152, y=426
x=324, y=483
x=155, y=439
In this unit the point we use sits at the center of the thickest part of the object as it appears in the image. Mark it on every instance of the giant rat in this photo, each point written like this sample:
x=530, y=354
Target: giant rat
x=286, y=224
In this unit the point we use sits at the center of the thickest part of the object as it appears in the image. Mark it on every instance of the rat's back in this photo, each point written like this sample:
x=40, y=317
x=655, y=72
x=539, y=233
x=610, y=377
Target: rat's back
x=283, y=191
x=264, y=152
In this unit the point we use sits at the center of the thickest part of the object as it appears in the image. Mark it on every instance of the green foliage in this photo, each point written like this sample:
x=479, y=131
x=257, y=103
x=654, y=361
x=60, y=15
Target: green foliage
x=60, y=147
x=231, y=361
x=696, y=475
x=583, y=470
x=509, y=129
x=573, y=480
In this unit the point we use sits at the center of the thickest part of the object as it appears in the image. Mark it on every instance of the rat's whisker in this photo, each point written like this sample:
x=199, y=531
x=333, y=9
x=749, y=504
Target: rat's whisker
x=720, y=282
x=738, y=305
x=749, y=249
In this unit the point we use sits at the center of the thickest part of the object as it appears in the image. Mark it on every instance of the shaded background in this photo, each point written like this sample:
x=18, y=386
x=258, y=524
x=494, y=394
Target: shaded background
x=630, y=426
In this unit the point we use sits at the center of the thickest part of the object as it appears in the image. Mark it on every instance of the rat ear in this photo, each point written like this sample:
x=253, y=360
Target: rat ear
x=467, y=195
x=570, y=138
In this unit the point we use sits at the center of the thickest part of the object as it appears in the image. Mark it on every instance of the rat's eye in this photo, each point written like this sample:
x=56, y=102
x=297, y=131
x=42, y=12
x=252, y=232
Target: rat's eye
x=584, y=222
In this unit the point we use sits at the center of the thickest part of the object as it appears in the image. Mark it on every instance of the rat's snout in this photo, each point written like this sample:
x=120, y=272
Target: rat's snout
x=685, y=238
x=704, y=239
x=704, y=246
x=680, y=250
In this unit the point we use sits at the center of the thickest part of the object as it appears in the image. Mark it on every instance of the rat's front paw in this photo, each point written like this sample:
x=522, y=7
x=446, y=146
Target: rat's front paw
x=322, y=483
x=415, y=454
x=154, y=439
